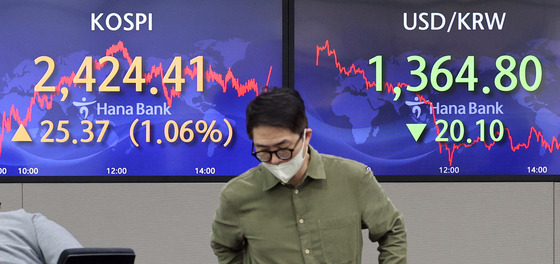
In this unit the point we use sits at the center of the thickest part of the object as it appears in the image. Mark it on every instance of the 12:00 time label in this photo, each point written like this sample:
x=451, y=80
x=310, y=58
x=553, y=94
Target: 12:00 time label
x=117, y=171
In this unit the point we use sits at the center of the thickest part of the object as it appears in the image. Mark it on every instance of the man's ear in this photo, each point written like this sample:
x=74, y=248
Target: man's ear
x=308, y=134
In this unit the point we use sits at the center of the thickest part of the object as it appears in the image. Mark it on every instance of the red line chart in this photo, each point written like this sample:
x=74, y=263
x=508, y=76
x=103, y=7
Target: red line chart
x=45, y=100
x=535, y=135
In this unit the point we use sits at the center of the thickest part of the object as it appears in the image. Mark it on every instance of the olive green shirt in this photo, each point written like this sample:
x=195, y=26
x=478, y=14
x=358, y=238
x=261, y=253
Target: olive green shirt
x=261, y=221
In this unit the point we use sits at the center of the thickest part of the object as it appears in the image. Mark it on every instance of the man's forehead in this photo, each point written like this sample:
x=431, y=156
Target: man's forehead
x=272, y=136
x=271, y=132
x=271, y=143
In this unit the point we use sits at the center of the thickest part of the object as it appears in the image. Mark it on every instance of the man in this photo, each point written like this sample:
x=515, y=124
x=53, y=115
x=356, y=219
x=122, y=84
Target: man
x=299, y=206
x=32, y=238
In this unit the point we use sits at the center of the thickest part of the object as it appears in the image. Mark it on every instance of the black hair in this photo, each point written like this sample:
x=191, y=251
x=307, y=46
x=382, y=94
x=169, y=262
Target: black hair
x=280, y=107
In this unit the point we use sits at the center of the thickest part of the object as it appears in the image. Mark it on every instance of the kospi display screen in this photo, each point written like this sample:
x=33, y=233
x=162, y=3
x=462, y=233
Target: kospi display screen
x=433, y=90
x=132, y=88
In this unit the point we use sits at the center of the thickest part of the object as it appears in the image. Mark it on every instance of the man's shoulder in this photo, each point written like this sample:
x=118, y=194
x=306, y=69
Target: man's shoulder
x=247, y=184
x=249, y=177
x=332, y=162
x=18, y=239
x=343, y=169
x=16, y=217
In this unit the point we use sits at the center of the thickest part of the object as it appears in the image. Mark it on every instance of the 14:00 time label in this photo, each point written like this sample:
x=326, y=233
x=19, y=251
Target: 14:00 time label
x=206, y=170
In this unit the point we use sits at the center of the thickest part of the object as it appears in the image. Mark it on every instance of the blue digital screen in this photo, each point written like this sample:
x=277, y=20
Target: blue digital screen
x=133, y=88
x=455, y=89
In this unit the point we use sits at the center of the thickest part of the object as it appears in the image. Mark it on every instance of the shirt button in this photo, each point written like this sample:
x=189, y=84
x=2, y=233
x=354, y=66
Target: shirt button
x=301, y=220
x=296, y=191
x=307, y=251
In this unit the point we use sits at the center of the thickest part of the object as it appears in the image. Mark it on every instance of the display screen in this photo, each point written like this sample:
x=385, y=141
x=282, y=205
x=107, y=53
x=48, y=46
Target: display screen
x=445, y=90
x=133, y=88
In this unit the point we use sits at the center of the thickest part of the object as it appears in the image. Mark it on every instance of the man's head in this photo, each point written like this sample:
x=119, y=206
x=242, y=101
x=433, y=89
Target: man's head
x=281, y=107
x=277, y=124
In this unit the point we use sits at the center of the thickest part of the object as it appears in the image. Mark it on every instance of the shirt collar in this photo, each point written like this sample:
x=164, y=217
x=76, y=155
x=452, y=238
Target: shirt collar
x=315, y=170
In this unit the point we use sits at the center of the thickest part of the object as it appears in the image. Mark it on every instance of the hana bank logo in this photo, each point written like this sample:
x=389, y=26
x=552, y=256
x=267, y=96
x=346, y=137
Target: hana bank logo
x=83, y=107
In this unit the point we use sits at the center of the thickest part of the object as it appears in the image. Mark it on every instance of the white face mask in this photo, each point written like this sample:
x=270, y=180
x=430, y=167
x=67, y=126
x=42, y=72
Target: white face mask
x=286, y=171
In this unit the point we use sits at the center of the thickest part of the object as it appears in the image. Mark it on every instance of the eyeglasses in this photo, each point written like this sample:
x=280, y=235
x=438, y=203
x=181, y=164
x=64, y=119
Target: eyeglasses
x=283, y=153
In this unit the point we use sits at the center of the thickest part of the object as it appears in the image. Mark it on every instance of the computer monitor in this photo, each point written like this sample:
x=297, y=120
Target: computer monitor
x=97, y=256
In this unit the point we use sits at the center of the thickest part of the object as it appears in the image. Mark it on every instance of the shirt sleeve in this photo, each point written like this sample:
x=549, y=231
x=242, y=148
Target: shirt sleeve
x=227, y=238
x=384, y=222
x=18, y=241
x=52, y=238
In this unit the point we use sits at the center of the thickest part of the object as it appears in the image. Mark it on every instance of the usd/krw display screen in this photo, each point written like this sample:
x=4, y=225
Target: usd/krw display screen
x=452, y=89
x=132, y=88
